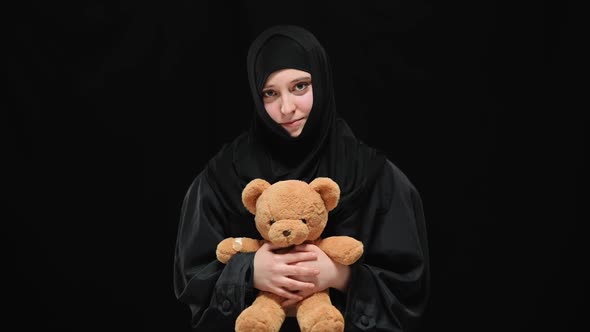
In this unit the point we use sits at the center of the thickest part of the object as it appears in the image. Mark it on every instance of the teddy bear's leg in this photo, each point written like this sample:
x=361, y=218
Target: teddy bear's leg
x=264, y=315
x=317, y=314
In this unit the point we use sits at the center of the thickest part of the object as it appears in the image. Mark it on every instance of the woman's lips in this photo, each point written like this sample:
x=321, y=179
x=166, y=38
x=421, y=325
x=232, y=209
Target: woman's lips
x=292, y=123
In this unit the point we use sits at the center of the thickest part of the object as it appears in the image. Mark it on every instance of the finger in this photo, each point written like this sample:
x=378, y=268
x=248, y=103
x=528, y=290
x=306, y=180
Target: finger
x=299, y=257
x=294, y=270
x=304, y=294
x=304, y=247
x=296, y=285
x=288, y=303
x=286, y=294
x=268, y=246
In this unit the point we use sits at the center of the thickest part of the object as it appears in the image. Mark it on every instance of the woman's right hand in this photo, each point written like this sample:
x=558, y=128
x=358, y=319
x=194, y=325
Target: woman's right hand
x=273, y=272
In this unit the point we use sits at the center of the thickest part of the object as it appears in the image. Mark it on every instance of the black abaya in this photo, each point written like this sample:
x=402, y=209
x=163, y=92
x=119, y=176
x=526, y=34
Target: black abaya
x=379, y=206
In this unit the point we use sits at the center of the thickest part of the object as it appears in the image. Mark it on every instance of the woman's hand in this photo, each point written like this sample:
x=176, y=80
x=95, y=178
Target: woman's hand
x=280, y=274
x=331, y=274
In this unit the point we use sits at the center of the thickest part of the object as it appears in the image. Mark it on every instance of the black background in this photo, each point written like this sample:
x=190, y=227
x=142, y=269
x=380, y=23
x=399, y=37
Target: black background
x=120, y=104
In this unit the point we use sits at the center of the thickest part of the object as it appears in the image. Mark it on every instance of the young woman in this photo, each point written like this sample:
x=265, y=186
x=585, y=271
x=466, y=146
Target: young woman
x=297, y=134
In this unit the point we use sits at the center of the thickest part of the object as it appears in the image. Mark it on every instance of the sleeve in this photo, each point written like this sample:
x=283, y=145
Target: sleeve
x=389, y=285
x=216, y=293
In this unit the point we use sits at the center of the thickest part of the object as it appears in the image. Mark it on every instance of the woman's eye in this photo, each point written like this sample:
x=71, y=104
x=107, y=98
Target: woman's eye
x=301, y=86
x=268, y=93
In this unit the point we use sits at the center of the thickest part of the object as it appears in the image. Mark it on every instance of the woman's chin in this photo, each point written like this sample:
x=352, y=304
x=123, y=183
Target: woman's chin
x=294, y=132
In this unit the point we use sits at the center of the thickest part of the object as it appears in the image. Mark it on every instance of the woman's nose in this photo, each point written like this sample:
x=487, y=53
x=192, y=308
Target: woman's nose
x=287, y=105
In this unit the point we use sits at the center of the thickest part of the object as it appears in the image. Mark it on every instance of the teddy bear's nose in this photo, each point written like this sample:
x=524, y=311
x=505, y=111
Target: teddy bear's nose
x=286, y=233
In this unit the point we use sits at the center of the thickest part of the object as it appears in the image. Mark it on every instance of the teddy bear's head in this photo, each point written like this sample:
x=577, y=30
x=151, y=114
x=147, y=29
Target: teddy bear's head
x=290, y=212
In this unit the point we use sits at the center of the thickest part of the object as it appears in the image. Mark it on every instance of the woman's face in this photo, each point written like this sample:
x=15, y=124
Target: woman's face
x=288, y=98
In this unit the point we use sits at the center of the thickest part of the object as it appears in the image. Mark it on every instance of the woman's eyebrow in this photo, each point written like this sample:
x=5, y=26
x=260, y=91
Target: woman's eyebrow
x=299, y=79
x=304, y=78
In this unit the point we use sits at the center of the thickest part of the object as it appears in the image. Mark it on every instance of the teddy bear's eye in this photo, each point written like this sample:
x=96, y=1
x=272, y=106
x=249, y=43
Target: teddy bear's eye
x=304, y=221
x=271, y=221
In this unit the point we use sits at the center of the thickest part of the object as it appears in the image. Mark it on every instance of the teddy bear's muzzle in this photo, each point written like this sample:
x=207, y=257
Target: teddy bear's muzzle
x=288, y=232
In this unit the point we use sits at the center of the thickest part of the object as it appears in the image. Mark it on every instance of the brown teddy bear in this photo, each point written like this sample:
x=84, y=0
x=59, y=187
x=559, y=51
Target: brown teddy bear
x=289, y=213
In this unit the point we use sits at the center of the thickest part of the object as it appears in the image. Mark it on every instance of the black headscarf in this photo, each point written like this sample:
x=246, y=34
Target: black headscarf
x=326, y=145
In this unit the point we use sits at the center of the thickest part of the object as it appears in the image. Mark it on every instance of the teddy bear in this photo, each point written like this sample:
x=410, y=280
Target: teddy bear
x=289, y=213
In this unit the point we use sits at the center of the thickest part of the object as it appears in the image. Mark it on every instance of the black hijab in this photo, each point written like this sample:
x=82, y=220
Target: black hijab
x=326, y=145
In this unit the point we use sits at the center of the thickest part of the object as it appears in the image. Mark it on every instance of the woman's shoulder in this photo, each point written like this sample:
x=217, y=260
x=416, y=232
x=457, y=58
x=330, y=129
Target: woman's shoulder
x=217, y=179
x=393, y=185
x=228, y=150
x=396, y=175
x=218, y=163
x=394, y=181
x=222, y=161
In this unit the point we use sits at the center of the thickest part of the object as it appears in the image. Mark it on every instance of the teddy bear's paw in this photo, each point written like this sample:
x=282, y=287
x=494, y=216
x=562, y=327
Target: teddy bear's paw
x=223, y=257
x=328, y=326
x=326, y=318
x=253, y=325
x=257, y=320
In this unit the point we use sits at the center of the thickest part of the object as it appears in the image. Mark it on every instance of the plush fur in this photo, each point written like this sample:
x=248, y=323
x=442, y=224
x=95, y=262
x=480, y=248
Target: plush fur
x=289, y=213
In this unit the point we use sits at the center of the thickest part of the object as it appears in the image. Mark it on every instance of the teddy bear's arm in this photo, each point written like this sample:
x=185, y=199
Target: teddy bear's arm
x=230, y=246
x=341, y=249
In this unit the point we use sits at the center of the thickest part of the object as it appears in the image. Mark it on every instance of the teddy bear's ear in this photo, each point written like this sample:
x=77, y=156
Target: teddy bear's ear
x=328, y=190
x=251, y=192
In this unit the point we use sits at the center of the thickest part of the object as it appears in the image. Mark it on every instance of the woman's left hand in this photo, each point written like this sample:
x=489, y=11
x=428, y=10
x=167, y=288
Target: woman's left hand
x=332, y=274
